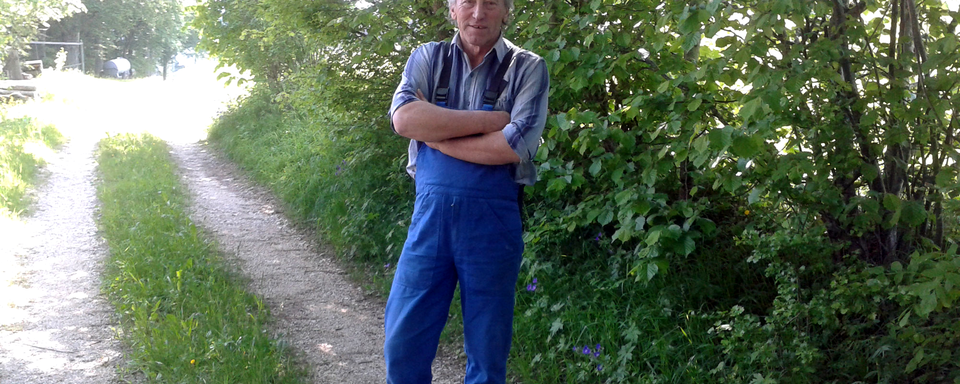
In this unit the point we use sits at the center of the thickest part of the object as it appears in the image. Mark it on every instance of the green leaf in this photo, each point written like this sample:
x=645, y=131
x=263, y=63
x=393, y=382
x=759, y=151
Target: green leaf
x=653, y=236
x=664, y=86
x=595, y=167
x=913, y=213
x=725, y=41
x=891, y=202
x=947, y=177
x=690, y=24
x=688, y=245
x=556, y=184
x=640, y=222
x=915, y=361
x=593, y=214
x=563, y=122
x=606, y=217
x=750, y=108
x=720, y=139
x=652, y=270
x=869, y=171
x=625, y=196
x=694, y=104
x=556, y=326
x=745, y=146
x=754, y=195
x=553, y=56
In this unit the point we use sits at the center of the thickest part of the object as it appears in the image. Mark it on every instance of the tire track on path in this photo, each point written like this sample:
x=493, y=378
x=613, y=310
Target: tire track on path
x=55, y=327
x=335, y=327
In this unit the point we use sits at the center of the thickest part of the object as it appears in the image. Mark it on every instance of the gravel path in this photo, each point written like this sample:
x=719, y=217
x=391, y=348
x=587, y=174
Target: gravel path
x=55, y=327
x=336, y=327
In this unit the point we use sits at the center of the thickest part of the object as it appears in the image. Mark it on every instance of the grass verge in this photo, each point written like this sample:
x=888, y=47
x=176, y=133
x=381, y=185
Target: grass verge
x=23, y=143
x=185, y=317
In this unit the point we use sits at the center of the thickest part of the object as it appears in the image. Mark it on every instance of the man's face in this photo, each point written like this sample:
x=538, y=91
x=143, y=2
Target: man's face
x=479, y=21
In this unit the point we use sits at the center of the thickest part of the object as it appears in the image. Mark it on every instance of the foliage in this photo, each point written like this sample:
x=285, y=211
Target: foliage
x=324, y=172
x=22, y=141
x=783, y=172
x=185, y=317
x=148, y=33
x=20, y=19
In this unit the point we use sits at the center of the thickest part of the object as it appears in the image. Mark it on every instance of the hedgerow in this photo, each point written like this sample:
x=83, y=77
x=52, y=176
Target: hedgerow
x=729, y=191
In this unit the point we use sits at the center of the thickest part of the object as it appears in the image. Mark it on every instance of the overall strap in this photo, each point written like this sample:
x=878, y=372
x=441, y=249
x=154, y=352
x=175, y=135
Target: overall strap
x=443, y=87
x=497, y=83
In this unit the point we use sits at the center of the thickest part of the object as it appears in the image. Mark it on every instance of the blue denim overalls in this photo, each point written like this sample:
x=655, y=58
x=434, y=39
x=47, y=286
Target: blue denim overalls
x=466, y=229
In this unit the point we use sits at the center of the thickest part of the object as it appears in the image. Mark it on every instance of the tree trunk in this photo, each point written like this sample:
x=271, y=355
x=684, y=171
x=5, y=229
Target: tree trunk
x=12, y=65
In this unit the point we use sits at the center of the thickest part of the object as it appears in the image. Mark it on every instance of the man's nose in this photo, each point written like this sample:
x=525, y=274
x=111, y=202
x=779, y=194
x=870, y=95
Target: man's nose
x=478, y=12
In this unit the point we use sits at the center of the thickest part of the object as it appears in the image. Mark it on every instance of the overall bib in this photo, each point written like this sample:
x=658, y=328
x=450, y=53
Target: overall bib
x=465, y=229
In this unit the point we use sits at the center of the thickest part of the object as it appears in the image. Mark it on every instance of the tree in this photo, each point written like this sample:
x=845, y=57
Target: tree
x=19, y=21
x=148, y=33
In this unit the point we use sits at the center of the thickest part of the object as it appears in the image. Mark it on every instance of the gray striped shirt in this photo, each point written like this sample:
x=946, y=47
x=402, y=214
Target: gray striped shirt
x=525, y=96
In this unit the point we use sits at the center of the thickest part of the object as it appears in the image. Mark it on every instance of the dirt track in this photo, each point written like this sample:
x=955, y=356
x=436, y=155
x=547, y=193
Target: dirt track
x=59, y=317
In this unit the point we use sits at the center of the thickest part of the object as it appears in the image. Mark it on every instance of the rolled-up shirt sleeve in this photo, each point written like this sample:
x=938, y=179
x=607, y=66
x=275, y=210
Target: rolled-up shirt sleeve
x=416, y=75
x=529, y=115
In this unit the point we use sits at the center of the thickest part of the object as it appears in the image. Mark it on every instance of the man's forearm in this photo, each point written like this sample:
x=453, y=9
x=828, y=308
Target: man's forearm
x=488, y=149
x=426, y=122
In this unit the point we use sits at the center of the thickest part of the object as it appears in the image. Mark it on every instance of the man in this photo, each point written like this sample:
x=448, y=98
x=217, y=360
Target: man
x=469, y=158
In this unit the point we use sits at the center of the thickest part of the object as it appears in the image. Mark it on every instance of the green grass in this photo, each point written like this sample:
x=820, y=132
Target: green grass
x=23, y=143
x=185, y=317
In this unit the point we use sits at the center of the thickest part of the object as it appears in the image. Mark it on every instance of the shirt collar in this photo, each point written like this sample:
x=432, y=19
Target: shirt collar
x=499, y=48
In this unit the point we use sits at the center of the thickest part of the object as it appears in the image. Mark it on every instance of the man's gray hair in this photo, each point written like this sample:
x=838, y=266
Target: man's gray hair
x=507, y=3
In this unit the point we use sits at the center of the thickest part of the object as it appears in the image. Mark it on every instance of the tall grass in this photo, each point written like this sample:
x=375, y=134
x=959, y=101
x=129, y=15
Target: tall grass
x=23, y=142
x=185, y=316
x=342, y=177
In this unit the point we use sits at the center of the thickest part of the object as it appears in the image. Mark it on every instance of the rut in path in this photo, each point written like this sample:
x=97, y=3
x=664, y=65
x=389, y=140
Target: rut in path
x=336, y=327
x=55, y=327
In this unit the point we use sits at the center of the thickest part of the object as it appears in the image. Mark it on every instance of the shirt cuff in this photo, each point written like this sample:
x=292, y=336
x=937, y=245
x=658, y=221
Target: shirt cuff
x=515, y=139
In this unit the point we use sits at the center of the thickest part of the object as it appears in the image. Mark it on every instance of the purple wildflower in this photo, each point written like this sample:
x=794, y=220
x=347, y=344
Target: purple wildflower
x=599, y=367
x=533, y=286
x=598, y=236
x=586, y=350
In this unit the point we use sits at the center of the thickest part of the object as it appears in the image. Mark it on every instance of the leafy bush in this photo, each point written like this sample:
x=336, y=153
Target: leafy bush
x=780, y=174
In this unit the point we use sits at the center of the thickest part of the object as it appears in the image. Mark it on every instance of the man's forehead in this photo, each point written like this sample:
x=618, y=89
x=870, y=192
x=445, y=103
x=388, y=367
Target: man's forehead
x=500, y=2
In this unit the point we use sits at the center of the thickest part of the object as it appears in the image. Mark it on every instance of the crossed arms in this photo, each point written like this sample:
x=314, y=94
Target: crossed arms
x=473, y=136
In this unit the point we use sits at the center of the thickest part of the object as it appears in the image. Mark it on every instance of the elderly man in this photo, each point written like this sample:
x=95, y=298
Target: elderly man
x=474, y=110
